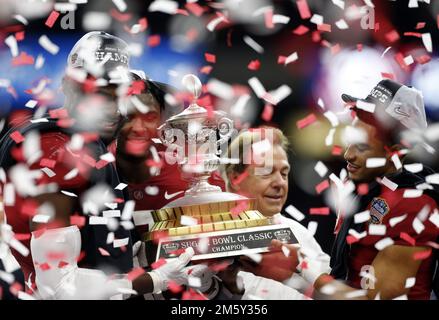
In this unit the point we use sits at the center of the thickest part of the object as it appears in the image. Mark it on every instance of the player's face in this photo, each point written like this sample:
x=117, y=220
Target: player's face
x=357, y=154
x=136, y=134
x=270, y=189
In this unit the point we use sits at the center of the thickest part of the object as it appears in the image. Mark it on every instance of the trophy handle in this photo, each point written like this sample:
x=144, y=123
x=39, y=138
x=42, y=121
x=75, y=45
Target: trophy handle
x=225, y=129
x=164, y=136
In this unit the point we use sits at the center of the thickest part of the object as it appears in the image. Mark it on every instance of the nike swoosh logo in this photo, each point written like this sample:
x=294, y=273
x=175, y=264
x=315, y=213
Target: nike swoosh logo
x=402, y=113
x=172, y=195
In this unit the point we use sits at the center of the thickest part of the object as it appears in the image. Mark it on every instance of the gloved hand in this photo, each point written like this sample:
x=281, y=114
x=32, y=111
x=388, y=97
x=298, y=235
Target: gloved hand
x=312, y=264
x=172, y=270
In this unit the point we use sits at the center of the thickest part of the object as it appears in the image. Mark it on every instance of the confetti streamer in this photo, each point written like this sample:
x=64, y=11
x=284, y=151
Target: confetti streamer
x=48, y=45
x=294, y=213
x=253, y=44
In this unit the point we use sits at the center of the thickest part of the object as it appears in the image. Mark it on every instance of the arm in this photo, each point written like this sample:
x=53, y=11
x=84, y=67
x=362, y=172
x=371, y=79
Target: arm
x=392, y=266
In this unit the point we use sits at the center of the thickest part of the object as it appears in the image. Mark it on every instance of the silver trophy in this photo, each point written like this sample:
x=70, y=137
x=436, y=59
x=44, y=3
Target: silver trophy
x=227, y=224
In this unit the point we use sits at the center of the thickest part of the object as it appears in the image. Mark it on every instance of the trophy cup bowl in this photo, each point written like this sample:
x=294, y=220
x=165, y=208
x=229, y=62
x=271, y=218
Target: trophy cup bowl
x=214, y=223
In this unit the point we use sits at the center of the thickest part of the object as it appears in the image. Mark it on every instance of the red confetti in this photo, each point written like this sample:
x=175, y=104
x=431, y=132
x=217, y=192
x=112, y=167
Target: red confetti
x=392, y=36
x=174, y=287
x=192, y=295
x=100, y=164
x=77, y=220
x=324, y=27
x=413, y=34
x=386, y=75
x=350, y=239
x=89, y=160
x=210, y=57
x=254, y=65
x=420, y=25
x=406, y=237
x=335, y=49
x=219, y=266
x=58, y=113
x=29, y=207
x=422, y=255
x=267, y=114
x=62, y=264
x=103, y=252
x=206, y=69
x=195, y=8
x=310, y=119
x=304, y=11
x=135, y=273
x=51, y=19
x=122, y=17
x=337, y=150
x=17, y=137
x=323, y=211
x=281, y=59
x=322, y=186
x=15, y=288
x=47, y=163
x=423, y=59
x=268, y=16
x=44, y=266
x=301, y=30
x=363, y=189
x=22, y=236
x=38, y=233
x=81, y=256
x=237, y=181
x=182, y=12
x=19, y=36
x=55, y=255
x=158, y=263
x=154, y=40
x=399, y=57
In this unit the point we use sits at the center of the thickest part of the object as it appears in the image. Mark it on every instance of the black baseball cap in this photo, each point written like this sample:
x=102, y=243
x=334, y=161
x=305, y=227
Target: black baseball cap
x=104, y=56
x=403, y=104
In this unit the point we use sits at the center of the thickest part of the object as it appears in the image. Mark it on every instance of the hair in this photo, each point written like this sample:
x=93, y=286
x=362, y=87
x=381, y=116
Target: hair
x=237, y=146
x=153, y=89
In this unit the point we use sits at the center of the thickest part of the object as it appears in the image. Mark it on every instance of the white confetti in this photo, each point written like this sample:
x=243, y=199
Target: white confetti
x=339, y=3
x=418, y=226
x=396, y=161
x=257, y=87
x=127, y=225
x=362, y=216
x=432, y=132
x=434, y=218
x=121, y=186
x=291, y=58
x=281, y=19
x=321, y=169
x=321, y=103
x=71, y=174
x=65, y=7
x=369, y=3
x=11, y=42
x=409, y=60
x=356, y=294
x=332, y=117
x=280, y=93
x=256, y=257
x=312, y=227
x=21, y=19
x=285, y=251
x=152, y=190
x=410, y=282
x=48, y=172
x=70, y=194
x=18, y=246
x=111, y=213
x=117, y=243
x=220, y=89
x=389, y=184
x=203, y=245
x=375, y=162
x=385, y=51
x=426, y=39
x=253, y=44
x=97, y=220
x=366, y=106
x=294, y=213
x=165, y=6
x=317, y=19
x=194, y=282
x=412, y=193
x=108, y=157
x=432, y=179
x=341, y=24
x=188, y=221
x=24, y=296
x=110, y=238
x=31, y=104
x=329, y=140
x=41, y=218
x=120, y=4
x=377, y=229
x=414, y=167
x=394, y=221
x=128, y=210
x=9, y=194
x=214, y=23
x=48, y=45
x=95, y=20
x=413, y=4
x=356, y=234
x=383, y=243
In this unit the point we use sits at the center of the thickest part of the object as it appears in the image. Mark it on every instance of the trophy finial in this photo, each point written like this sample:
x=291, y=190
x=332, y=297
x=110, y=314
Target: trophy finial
x=192, y=84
